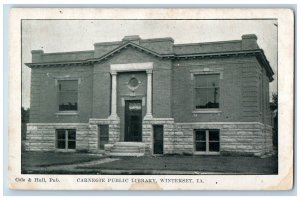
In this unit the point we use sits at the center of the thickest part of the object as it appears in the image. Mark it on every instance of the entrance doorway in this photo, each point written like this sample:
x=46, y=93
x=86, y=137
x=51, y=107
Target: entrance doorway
x=133, y=121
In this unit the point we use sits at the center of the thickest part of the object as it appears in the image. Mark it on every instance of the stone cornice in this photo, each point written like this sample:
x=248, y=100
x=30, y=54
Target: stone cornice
x=258, y=53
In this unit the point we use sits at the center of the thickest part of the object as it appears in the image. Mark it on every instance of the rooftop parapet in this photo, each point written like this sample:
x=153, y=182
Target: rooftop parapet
x=249, y=42
x=37, y=56
x=132, y=38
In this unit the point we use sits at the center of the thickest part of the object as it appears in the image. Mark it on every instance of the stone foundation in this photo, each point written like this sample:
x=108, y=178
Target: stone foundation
x=235, y=138
x=42, y=137
x=114, y=132
x=168, y=125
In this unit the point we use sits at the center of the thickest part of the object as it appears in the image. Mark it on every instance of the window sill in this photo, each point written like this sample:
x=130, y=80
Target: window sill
x=206, y=111
x=67, y=113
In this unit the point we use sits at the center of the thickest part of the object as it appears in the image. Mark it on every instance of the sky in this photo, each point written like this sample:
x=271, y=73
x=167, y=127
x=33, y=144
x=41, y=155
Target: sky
x=79, y=35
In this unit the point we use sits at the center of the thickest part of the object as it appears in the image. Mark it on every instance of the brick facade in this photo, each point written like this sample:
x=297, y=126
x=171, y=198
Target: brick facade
x=243, y=117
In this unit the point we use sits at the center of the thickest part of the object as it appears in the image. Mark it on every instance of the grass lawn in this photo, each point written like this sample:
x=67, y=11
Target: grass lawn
x=43, y=159
x=41, y=162
x=228, y=164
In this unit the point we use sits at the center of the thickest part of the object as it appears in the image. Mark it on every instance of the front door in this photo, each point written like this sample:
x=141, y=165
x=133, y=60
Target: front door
x=133, y=121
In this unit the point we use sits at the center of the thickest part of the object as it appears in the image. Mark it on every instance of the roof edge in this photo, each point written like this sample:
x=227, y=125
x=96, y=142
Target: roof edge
x=207, y=43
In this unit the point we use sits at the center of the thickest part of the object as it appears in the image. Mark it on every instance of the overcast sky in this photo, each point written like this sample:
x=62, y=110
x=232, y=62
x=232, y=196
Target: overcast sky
x=80, y=35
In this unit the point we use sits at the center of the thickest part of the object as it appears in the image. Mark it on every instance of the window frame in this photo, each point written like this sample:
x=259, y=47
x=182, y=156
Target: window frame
x=207, y=142
x=205, y=72
x=101, y=136
x=66, y=140
x=66, y=112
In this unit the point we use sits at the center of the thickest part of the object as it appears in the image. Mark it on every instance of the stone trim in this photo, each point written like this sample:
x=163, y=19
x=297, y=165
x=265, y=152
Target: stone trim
x=206, y=111
x=56, y=124
x=161, y=119
x=131, y=67
x=66, y=113
x=212, y=123
x=95, y=120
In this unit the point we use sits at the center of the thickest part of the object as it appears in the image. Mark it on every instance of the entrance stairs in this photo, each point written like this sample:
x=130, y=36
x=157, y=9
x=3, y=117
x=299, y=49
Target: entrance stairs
x=125, y=149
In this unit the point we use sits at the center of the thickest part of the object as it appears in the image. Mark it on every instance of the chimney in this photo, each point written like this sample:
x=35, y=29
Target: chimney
x=37, y=56
x=249, y=42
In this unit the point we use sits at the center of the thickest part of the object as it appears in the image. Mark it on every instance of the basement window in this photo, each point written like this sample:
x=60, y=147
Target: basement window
x=66, y=139
x=67, y=95
x=207, y=141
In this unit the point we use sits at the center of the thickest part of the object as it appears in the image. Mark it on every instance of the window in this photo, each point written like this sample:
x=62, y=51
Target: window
x=66, y=139
x=207, y=141
x=133, y=83
x=206, y=87
x=67, y=95
x=103, y=136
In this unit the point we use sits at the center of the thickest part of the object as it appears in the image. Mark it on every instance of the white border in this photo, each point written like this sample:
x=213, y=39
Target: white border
x=285, y=57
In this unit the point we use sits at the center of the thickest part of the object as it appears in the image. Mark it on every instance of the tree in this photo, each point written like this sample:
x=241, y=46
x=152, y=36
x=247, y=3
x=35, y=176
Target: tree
x=24, y=120
x=274, y=108
x=25, y=115
x=274, y=103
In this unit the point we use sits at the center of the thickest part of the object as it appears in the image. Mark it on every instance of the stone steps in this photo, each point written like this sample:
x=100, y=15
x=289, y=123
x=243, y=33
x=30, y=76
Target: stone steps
x=125, y=149
x=116, y=150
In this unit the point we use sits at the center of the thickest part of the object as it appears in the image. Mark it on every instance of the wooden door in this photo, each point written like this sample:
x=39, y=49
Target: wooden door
x=133, y=121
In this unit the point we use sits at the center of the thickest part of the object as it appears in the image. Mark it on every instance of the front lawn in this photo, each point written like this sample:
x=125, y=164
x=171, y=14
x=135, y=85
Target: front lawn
x=43, y=159
x=218, y=164
x=54, y=162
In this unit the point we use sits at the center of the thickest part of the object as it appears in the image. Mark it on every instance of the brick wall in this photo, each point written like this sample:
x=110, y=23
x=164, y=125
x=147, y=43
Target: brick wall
x=244, y=108
x=208, y=47
x=250, y=92
x=162, y=79
x=162, y=46
x=101, y=91
x=239, y=90
x=230, y=89
x=44, y=94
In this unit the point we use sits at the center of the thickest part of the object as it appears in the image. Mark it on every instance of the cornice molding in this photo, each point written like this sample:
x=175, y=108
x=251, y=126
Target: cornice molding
x=258, y=53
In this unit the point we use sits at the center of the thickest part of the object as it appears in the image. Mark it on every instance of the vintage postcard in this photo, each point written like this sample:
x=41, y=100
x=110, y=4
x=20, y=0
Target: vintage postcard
x=151, y=99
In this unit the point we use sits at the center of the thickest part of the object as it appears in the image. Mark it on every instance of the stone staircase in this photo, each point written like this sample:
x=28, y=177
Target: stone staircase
x=125, y=149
